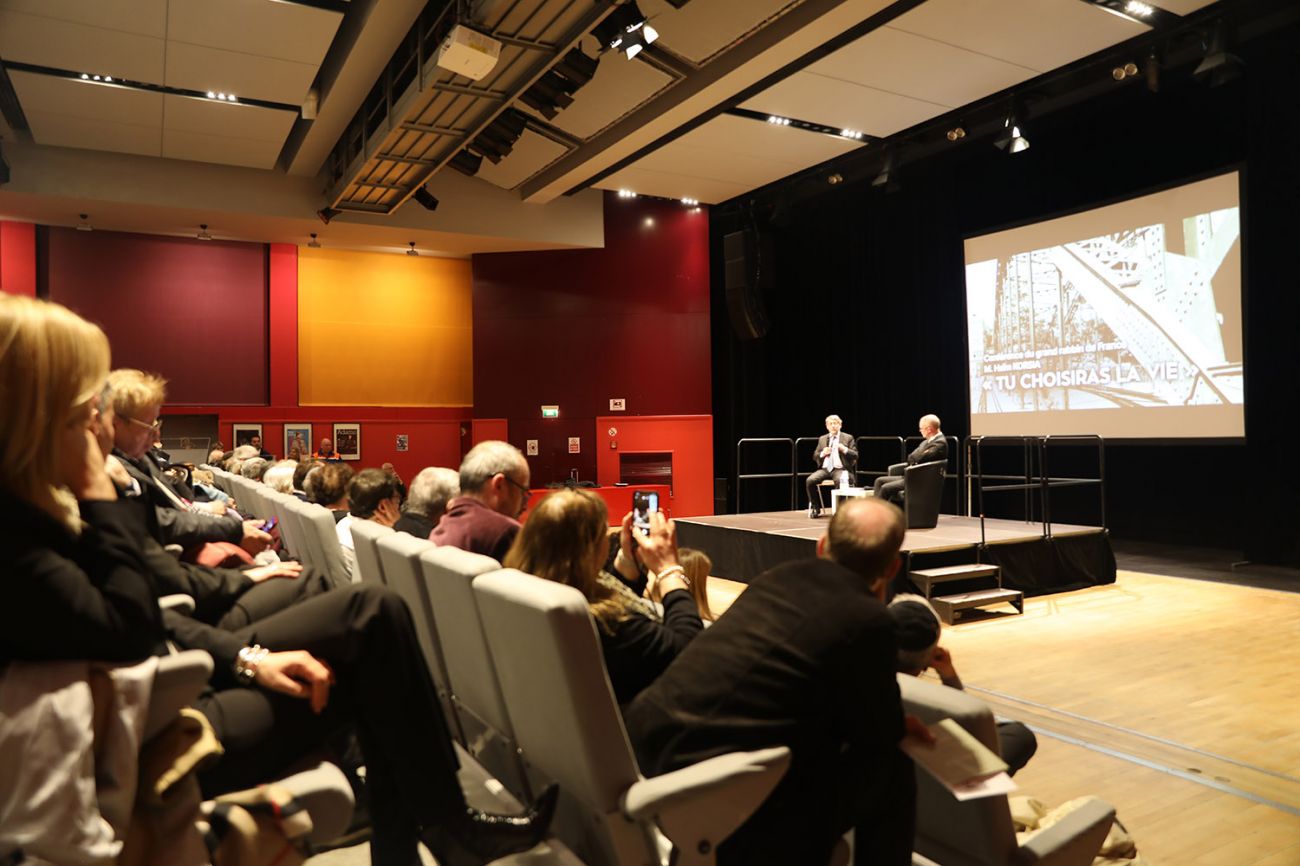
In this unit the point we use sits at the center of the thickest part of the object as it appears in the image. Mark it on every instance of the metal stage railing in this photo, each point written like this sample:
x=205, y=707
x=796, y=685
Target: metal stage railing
x=1035, y=481
x=790, y=473
x=958, y=478
x=876, y=473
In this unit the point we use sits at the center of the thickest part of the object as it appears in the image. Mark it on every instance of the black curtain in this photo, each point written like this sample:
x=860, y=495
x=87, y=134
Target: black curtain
x=868, y=312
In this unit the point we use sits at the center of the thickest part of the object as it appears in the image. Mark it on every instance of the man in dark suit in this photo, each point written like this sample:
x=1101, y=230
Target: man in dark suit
x=805, y=659
x=933, y=447
x=835, y=455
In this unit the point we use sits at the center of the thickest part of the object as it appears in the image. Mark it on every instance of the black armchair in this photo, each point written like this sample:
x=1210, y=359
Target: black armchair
x=922, y=491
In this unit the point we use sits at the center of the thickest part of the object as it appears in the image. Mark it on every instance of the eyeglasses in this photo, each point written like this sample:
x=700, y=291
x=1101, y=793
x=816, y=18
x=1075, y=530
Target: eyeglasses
x=523, y=489
x=154, y=427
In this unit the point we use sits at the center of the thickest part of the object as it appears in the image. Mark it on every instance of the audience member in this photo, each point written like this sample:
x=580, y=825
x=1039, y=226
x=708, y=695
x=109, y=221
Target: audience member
x=255, y=441
x=494, y=492
x=235, y=459
x=279, y=476
x=933, y=447
x=329, y=487
x=327, y=452
x=300, y=477
x=215, y=456
x=431, y=490
x=564, y=541
x=697, y=566
x=81, y=589
x=918, y=628
x=372, y=495
x=253, y=468
x=804, y=658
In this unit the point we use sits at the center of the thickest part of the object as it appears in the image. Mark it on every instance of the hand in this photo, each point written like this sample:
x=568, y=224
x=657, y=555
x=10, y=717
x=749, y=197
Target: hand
x=266, y=572
x=298, y=674
x=915, y=730
x=659, y=548
x=217, y=507
x=658, y=586
x=87, y=474
x=117, y=472
x=387, y=513
x=942, y=664
x=842, y=447
x=255, y=540
x=826, y=452
x=625, y=561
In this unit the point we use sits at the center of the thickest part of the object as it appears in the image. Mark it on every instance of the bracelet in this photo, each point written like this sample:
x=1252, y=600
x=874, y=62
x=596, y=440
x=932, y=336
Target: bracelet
x=673, y=569
x=246, y=663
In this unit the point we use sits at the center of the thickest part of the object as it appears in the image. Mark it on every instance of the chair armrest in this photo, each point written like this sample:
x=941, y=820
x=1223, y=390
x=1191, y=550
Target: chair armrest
x=180, y=603
x=699, y=806
x=1072, y=841
x=179, y=680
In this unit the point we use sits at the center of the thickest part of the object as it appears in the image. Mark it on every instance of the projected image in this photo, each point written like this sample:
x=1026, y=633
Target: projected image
x=1128, y=319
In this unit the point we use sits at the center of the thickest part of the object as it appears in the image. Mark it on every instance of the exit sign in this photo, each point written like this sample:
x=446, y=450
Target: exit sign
x=550, y=411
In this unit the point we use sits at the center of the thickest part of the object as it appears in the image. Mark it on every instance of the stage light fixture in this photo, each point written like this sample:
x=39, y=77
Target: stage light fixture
x=426, y=199
x=466, y=163
x=957, y=133
x=204, y=234
x=1219, y=66
x=625, y=29
x=551, y=93
x=412, y=250
x=313, y=243
x=499, y=138
x=1011, y=139
x=84, y=225
x=327, y=213
x=888, y=176
x=1151, y=70
x=578, y=67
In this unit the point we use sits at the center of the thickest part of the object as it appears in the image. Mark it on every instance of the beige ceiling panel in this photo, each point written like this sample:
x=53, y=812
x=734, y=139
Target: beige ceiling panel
x=205, y=117
x=87, y=101
x=672, y=185
x=219, y=149
x=618, y=87
x=282, y=30
x=701, y=30
x=545, y=20
x=196, y=67
x=142, y=17
x=532, y=153
x=80, y=47
x=62, y=130
x=843, y=104
x=894, y=61
x=1054, y=33
x=742, y=138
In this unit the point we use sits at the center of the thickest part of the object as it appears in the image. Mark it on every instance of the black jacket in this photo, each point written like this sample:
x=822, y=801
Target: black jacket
x=640, y=649
x=927, y=452
x=175, y=525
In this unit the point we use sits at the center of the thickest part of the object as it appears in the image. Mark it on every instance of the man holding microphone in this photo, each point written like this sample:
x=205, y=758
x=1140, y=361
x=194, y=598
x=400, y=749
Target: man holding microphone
x=835, y=455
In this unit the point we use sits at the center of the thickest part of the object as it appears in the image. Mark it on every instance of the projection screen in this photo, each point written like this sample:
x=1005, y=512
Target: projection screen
x=1123, y=320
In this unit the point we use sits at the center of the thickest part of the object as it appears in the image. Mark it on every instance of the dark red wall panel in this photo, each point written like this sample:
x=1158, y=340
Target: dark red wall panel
x=576, y=328
x=18, y=258
x=193, y=311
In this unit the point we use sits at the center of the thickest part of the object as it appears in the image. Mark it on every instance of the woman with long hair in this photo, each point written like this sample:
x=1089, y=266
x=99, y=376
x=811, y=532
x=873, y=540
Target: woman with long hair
x=564, y=540
x=76, y=586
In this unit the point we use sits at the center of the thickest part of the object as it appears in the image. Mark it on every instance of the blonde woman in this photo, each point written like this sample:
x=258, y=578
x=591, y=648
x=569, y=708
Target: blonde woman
x=564, y=540
x=697, y=566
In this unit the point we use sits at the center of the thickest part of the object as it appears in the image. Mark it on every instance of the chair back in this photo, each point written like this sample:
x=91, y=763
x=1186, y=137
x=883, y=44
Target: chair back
x=552, y=673
x=922, y=491
x=449, y=574
x=320, y=524
x=971, y=833
x=399, y=556
x=305, y=537
x=365, y=543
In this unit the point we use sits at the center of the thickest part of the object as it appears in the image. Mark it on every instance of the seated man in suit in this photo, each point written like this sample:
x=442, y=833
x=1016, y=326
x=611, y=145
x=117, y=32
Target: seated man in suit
x=836, y=454
x=933, y=447
x=805, y=658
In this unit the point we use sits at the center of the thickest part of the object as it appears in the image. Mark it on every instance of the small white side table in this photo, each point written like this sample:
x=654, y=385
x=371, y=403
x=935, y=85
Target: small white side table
x=839, y=493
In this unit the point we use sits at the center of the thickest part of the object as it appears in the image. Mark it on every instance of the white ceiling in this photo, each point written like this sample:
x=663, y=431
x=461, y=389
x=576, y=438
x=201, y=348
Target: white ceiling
x=253, y=49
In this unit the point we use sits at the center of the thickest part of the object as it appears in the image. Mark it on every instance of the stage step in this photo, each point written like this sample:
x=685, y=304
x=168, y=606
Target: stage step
x=926, y=578
x=949, y=607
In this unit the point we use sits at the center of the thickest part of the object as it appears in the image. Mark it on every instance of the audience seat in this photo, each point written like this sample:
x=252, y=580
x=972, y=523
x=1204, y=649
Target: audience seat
x=552, y=674
x=979, y=832
x=322, y=535
x=365, y=541
x=922, y=491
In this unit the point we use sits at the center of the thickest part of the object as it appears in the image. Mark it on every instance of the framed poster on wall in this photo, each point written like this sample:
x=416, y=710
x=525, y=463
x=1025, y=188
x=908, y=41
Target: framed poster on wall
x=297, y=436
x=244, y=434
x=347, y=441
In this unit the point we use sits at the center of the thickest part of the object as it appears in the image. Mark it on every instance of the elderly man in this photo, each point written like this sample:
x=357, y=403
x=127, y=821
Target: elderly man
x=804, y=658
x=494, y=491
x=431, y=490
x=137, y=400
x=327, y=452
x=836, y=454
x=933, y=447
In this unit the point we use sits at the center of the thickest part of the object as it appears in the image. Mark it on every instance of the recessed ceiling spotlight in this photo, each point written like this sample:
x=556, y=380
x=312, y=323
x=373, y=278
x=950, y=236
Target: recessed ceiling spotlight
x=648, y=222
x=211, y=95
x=626, y=193
x=85, y=77
x=778, y=121
x=1141, y=10
x=84, y=226
x=690, y=202
x=851, y=133
x=834, y=179
x=957, y=133
x=313, y=243
x=1119, y=73
x=204, y=235
x=412, y=250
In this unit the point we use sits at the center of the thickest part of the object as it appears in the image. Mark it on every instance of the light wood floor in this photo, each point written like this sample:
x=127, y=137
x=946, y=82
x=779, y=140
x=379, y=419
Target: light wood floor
x=1175, y=700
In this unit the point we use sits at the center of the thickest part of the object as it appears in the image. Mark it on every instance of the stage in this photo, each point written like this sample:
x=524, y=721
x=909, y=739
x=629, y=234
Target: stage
x=742, y=546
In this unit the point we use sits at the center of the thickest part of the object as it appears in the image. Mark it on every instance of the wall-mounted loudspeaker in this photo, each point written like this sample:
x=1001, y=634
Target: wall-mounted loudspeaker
x=749, y=273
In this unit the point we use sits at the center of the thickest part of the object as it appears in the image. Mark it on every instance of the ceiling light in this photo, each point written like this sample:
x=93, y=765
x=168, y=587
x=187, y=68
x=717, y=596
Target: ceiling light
x=426, y=199
x=1128, y=70
x=834, y=179
x=411, y=251
x=327, y=213
x=466, y=163
x=626, y=193
x=84, y=226
x=690, y=202
x=108, y=78
x=957, y=133
x=1011, y=139
x=577, y=67
x=1141, y=10
x=211, y=95
x=313, y=243
x=1219, y=66
x=1151, y=70
x=851, y=133
x=85, y=77
x=778, y=121
x=203, y=234
x=886, y=177
x=625, y=29
x=549, y=94
x=648, y=222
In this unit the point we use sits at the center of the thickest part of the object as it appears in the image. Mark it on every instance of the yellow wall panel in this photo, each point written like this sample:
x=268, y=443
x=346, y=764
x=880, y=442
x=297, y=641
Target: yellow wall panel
x=378, y=329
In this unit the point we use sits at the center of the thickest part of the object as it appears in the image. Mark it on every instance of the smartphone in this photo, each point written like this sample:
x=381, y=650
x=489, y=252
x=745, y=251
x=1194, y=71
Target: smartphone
x=269, y=524
x=644, y=503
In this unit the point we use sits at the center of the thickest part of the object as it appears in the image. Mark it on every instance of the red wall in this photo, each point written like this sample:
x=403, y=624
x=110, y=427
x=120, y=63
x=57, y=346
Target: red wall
x=193, y=311
x=575, y=328
x=688, y=438
x=18, y=258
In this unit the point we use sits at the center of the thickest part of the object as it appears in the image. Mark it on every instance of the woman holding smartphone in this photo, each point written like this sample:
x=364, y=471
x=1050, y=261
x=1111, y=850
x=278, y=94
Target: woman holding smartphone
x=564, y=540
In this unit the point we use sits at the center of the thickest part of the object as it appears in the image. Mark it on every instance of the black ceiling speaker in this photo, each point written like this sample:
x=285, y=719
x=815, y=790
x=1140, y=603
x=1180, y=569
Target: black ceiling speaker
x=748, y=275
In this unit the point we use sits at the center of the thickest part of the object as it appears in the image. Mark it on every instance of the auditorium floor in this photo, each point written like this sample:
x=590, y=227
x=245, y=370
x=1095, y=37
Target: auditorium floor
x=1175, y=700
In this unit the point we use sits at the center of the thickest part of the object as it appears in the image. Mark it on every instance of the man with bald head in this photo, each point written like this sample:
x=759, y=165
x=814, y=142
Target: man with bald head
x=805, y=658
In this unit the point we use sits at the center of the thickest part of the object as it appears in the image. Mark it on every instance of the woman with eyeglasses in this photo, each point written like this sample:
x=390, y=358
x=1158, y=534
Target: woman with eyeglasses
x=76, y=587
